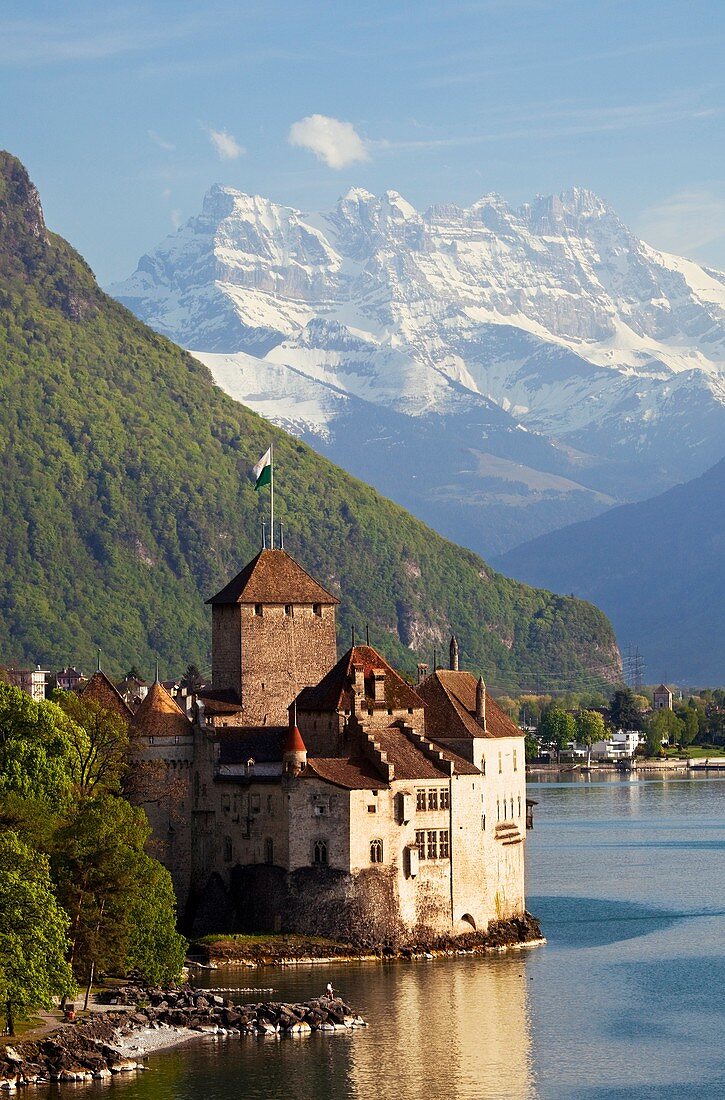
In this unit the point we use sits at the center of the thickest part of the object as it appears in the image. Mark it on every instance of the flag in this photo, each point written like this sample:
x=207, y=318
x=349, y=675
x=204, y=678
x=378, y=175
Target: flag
x=263, y=470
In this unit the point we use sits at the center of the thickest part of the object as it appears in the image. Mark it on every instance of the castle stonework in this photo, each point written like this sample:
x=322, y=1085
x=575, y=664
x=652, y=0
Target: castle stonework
x=328, y=796
x=273, y=632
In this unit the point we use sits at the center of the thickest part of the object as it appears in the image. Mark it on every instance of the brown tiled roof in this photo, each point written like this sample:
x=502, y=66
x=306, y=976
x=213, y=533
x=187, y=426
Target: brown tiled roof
x=219, y=701
x=273, y=577
x=355, y=774
x=160, y=716
x=450, y=708
x=662, y=690
x=99, y=689
x=334, y=691
x=411, y=762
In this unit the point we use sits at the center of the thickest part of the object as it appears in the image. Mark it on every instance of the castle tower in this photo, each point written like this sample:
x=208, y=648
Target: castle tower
x=453, y=662
x=273, y=633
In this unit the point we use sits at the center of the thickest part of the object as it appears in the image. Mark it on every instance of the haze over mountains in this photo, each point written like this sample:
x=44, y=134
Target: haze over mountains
x=499, y=372
x=656, y=567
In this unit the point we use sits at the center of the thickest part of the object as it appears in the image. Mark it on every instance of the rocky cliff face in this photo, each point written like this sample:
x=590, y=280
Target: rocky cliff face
x=560, y=364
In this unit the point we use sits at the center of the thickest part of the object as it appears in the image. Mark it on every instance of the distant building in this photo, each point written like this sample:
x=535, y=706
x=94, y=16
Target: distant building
x=133, y=691
x=622, y=745
x=69, y=678
x=662, y=698
x=32, y=681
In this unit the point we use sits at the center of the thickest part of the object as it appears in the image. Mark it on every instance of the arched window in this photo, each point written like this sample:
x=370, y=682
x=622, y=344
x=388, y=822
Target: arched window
x=319, y=852
x=269, y=850
x=227, y=849
x=376, y=851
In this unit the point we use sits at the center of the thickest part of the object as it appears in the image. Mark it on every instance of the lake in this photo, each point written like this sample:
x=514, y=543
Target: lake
x=625, y=1000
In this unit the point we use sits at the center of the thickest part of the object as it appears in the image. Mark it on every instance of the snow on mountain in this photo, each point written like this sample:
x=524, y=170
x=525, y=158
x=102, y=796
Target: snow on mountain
x=468, y=323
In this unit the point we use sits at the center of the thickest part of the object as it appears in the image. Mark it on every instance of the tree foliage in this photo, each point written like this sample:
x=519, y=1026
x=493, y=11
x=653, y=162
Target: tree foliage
x=625, y=712
x=33, y=927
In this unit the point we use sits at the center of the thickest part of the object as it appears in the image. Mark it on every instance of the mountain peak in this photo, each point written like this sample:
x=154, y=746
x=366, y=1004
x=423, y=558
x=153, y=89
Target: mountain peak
x=23, y=235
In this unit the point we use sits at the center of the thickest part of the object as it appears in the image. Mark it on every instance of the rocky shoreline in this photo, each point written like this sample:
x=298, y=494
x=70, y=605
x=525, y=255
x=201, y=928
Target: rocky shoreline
x=142, y=1020
x=518, y=932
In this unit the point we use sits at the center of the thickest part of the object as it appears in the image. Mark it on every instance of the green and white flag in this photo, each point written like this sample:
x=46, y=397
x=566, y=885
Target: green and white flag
x=263, y=470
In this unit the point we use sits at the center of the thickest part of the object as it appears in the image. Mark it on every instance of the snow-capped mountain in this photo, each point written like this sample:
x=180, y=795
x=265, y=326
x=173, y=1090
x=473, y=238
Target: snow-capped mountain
x=500, y=372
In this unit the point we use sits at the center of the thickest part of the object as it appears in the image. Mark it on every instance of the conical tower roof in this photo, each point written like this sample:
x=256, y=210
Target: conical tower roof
x=159, y=715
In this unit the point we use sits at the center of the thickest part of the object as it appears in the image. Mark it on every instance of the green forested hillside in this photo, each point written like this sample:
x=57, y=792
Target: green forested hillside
x=127, y=499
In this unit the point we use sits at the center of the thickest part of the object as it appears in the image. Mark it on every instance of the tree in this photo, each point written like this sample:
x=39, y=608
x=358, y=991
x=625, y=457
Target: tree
x=589, y=729
x=33, y=927
x=663, y=724
x=557, y=728
x=36, y=752
x=191, y=678
x=100, y=741
x=155, y=948
x=624, y=710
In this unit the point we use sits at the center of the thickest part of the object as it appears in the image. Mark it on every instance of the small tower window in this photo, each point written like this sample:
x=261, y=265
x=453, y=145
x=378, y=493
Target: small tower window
x=289, y=610
x=317, y=610
x=269, y=850
x=320, y=853
x=257, y=609
x=376, y=851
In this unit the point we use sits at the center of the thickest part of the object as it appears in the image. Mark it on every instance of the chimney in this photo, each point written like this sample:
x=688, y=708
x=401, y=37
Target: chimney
x=379, y=682
x=358, y=679
x=481, y=702
x=454, y=654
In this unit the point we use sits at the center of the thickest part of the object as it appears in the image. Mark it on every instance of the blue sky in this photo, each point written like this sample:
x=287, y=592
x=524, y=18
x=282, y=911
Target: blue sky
x=125, y=113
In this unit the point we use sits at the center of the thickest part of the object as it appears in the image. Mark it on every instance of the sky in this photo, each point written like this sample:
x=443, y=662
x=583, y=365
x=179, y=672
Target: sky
x=126, y=113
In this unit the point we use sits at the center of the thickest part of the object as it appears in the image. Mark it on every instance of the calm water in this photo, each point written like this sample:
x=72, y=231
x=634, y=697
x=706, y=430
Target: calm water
x=626, y=999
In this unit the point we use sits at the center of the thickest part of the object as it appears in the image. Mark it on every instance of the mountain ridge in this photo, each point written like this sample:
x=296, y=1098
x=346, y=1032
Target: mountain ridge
x=550, y=321
x=128, y=499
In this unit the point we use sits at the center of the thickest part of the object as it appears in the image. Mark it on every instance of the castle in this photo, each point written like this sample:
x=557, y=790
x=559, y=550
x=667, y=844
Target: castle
x=303, y=792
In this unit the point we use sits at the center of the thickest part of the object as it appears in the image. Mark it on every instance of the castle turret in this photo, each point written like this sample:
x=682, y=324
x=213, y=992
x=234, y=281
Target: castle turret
x=481, y=702
x=453, y=664
x=294, y=751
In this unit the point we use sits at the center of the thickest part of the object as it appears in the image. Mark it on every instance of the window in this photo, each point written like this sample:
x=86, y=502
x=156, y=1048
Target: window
x=151, y=740
x=269, y=804
x=483, y=765
x=376, y=851
x=445, y=799
x=372, y=809
x=515, y=765
x=433, y=798
x=269, y=850
x=443, y=844
x=432, y=846
x=257, y=609
x=227, y=849
x=420, y=842
x=519, y=805
x=512, y=808
x=498, y=810
x=288, y=610
x=249, y=767
x=177, y=739
x=317, y=610
x=420, y=799
x=500, y=763
x=254, y=803
x=319, y=853
x=483, y=823
x=226, y=803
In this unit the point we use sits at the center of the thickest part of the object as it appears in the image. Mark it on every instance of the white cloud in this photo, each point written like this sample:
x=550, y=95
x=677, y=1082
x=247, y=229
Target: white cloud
x=158, y=140
x=226, y=146
x=336, y=143
x=686, y=221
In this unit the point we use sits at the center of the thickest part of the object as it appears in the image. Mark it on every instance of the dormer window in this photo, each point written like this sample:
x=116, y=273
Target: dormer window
x=317, y=610
x=257, y=609
x=288, y=610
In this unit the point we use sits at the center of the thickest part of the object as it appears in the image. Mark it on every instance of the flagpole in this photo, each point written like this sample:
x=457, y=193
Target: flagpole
x=271, y=496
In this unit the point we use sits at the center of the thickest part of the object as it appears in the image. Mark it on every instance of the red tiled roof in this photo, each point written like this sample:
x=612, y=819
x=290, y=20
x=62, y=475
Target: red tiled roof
x=450, y=708
x=99, y=689
x=160, y=716
x=334, y=691
x=273, y=577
